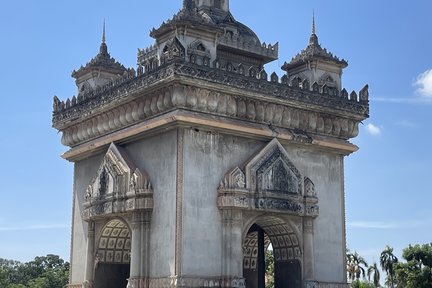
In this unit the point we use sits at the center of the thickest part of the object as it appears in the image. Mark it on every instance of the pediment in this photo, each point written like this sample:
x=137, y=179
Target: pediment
x=118, y=186
x=269, y=182
x=271, y=170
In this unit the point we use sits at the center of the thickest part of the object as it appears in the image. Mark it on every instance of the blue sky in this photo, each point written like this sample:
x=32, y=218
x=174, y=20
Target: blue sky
x=387, y=43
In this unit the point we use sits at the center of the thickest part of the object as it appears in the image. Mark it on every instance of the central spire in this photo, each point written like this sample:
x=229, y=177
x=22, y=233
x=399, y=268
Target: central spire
x=313, y=40
x=313, y=22
x=103, y=48
x=103, y=33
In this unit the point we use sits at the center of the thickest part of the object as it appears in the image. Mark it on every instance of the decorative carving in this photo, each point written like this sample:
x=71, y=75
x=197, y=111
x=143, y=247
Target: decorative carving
x=309, y=188
x=151, y=104
x=119, y=186
x=364, y=94
x=274, y=172
x=271, y=182
x=103, y=183
x=278, y=204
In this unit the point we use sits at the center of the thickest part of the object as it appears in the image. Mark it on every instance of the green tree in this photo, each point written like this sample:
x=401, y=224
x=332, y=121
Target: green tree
x=356, y=266
x=375, y=273
x=269, y=269
x=361, y=284
x=43, y=272
x=417, y=271
x=387, y=262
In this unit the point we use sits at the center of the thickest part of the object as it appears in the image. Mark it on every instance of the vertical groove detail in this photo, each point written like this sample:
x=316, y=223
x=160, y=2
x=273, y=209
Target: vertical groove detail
x=179, y=204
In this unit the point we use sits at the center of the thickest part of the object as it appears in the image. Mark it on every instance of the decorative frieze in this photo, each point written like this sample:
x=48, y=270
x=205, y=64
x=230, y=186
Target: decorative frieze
x=227, y=105
x=90, y=115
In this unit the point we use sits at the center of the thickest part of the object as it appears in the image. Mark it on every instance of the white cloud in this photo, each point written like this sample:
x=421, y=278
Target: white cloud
x=406, y=124
x=424, y=84
x=35, y=227
x=372, y=225
x=420, y=223
x=373, y=130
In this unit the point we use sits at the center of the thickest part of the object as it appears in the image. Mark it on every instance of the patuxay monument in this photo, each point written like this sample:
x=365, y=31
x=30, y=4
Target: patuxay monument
x=188, y=168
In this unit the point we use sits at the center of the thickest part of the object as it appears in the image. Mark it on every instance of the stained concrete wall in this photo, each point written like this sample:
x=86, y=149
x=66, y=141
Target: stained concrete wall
x=207, y=157
x=325, y=171
x=158, y=157
x=85, y=170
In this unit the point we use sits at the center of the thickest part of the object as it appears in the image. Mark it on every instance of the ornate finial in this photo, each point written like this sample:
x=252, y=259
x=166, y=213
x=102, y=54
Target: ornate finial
x=313, y=40
x=103, y=48
x=103, y=33
x=313, y=22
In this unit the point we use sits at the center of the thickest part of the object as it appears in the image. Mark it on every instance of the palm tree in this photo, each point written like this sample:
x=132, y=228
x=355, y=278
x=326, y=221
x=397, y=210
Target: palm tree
x=373, y=270
x=356, y=266
x=387, y=261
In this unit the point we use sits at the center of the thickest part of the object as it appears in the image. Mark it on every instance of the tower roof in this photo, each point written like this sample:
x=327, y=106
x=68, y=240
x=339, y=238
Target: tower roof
x=102, y=61
x=313, y=52
x=209, y=17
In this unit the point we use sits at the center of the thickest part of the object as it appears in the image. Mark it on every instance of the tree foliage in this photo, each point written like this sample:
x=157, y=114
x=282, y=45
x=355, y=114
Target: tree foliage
x=388, y=261
x=356, y=266
x=43, y=272
x=417, y=271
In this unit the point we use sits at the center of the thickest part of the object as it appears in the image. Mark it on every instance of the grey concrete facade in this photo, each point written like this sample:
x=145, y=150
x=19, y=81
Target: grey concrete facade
x=188, y=167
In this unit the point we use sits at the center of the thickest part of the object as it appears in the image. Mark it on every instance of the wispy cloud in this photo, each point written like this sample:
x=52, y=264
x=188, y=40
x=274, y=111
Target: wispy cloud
x=406, y=124
x=424, y=84
x=371, y=225
x=373, y=129
x=35, y=227
x=390, y=225
x=403, y=100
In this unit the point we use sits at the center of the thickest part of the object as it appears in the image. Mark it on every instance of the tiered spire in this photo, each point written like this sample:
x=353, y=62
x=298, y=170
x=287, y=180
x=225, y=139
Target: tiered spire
x=313, y=22
x=102, y=61
x=103, y=47
x=313, y=40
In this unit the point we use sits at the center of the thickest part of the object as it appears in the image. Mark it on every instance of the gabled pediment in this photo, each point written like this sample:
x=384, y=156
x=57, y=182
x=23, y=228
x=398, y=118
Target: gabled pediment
x=118, y=186
x=269, y=181
x=271, y=170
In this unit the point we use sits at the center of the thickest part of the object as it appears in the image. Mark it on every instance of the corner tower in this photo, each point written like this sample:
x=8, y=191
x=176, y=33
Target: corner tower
x=101, y=70
x=316, y=67
x=189, y=168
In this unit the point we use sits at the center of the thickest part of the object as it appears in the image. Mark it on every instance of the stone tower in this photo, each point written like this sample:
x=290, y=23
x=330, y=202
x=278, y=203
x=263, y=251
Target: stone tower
x=190, y=166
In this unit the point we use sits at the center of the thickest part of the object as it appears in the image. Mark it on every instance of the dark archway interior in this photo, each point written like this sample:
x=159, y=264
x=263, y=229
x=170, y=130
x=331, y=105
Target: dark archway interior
x=112, y=275
x=286, y=253
x=113, y=256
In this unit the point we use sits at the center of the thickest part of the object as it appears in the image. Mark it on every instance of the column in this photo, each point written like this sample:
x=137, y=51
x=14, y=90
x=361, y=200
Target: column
x=308, y=247
x=261, y=258
x=232, y=249
x=90, y=264
x=135, y=260
x=145, y=250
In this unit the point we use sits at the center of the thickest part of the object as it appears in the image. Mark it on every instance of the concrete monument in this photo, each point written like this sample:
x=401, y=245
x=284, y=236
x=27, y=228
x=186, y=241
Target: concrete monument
x=190, y=166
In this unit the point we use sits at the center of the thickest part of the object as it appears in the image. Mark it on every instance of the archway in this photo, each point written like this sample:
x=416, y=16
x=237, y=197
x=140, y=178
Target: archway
x=113, y=256
x=277, y=235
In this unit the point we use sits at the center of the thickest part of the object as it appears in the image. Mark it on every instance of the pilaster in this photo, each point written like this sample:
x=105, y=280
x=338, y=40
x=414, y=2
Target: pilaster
x=90, y=263
x=232, y=250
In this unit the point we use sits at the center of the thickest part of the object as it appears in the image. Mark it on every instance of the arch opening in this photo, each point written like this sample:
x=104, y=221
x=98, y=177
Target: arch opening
x=272, y=255
x=112, y=265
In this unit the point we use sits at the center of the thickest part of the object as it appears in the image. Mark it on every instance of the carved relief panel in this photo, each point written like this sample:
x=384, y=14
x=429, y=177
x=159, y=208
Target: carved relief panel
x=270, y=181
x=118, y=187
